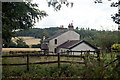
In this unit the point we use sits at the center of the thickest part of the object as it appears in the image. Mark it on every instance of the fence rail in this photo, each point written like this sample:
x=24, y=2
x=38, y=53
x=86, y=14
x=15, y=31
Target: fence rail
x=24, y=55
x=58, y=55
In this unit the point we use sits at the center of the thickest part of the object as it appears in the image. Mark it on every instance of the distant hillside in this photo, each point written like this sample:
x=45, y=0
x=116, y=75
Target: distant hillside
x=28, y=40
x=38, y=32
x=103, y=39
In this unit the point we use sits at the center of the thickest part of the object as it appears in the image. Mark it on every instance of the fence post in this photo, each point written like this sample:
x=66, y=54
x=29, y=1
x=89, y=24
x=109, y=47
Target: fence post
x=98, y=55
x=81, y=52
x=58, y=60
x=59, y=64
x=27, y=62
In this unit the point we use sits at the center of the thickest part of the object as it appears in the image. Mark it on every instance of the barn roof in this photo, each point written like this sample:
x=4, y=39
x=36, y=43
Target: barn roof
x=56, y=35
x=73, y=43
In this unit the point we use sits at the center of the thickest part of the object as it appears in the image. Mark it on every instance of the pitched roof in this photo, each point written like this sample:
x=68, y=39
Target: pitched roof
x=73, y=43
x=56, y=35
x=68, y=44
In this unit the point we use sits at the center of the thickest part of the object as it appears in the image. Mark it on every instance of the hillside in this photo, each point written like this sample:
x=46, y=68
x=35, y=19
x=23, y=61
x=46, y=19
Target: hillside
x=38, y=32
x=28, y=40
x=103, y=39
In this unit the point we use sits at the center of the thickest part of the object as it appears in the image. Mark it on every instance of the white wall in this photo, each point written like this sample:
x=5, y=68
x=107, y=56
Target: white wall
x=69, y=35
x=63, y=50
x=82, y=47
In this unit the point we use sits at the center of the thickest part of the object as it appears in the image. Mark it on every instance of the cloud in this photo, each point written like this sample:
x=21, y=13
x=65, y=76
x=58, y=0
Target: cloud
x=84, y=13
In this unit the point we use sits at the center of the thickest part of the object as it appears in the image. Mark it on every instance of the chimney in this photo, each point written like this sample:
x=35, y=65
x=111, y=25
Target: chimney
x=70, y=26
x=61, y=27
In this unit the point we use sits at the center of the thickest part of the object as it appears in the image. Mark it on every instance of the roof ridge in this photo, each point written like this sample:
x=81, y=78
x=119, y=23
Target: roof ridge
x=57, y=34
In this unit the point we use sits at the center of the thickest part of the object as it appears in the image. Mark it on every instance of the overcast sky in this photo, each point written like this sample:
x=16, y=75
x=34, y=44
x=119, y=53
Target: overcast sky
x=84, y=13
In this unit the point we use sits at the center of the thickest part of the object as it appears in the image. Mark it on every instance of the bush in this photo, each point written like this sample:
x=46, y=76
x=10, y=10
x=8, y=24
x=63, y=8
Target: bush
x=93, y=69
x=115, y=48
x=36, y=46
x=12, y=45
x=21, y=43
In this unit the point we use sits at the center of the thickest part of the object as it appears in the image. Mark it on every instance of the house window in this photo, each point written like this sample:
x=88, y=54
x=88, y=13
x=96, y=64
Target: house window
x=55, y=41
x=55, y=50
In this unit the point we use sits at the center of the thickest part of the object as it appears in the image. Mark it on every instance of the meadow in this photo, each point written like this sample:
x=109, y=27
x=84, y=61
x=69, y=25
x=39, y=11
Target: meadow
x=28, y=40
x=7, y=50
x=93, y=69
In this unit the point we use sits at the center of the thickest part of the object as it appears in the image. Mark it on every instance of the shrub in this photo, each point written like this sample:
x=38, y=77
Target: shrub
x=36, y=46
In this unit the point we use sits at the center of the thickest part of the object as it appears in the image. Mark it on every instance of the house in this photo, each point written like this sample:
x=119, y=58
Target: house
x=66, y=40
x=76, y=45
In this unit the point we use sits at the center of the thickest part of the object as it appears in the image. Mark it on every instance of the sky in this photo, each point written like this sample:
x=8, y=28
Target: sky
x=83, y=14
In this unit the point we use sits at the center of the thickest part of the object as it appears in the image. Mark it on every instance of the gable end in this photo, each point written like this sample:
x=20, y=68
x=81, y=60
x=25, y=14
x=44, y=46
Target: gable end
x=84, y=42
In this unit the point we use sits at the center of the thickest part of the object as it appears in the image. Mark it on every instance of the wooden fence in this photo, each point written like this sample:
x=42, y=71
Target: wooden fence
x=58, y=61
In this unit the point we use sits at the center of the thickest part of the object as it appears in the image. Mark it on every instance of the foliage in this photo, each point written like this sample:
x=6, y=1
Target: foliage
x=38, y=32
x=102, y=39
x=18, y=15
x=57, y=4
x=115, y=47
x=12, y=44
x=21, y=43
x=93, y=69
x=36, y=46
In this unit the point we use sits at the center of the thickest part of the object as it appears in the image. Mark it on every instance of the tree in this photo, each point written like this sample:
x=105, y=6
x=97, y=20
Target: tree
x=57, y=4
x=21, y=44
x=115, y=47
x=12, y=44
x=18, y=15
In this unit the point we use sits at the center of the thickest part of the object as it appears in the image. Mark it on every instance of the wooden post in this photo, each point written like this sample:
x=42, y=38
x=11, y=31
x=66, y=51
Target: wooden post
x=58, y=60
x=81, y=54
x=94, y=52
x=27, y=62
x=59, y=64
x=98, y=55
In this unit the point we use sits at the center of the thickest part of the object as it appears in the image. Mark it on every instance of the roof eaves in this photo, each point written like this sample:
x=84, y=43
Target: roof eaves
x=85, y=42
x=74, y=44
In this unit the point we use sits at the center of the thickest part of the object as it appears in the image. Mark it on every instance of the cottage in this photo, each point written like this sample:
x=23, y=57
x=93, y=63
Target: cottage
x=66, y=40
x=76, y=45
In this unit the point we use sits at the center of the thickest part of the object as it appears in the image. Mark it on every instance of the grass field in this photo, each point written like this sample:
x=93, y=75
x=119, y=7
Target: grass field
x=92, y=70
x=28, y=40
x=33, y=59
x=20, y=49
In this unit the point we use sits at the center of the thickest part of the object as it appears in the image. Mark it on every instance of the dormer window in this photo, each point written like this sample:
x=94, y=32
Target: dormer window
x=55, y=41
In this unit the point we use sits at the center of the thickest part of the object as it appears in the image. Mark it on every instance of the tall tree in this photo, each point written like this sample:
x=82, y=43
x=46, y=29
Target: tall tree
x=57, y=4
x=18, y=15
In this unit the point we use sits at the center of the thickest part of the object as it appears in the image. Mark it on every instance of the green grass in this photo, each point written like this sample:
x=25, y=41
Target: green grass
x=36, y=59
x=93, y=68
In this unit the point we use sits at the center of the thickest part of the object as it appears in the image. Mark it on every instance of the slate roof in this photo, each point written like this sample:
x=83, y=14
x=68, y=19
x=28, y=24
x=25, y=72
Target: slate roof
x=73, y=43
x=56, y=35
